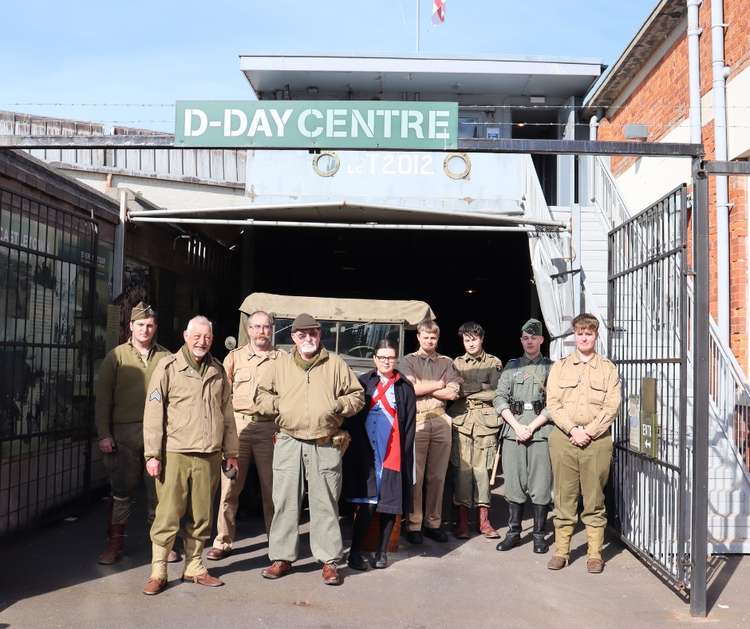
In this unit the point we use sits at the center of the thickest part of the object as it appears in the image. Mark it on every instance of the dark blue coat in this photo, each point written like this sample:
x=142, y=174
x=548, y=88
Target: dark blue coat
x=359, y=460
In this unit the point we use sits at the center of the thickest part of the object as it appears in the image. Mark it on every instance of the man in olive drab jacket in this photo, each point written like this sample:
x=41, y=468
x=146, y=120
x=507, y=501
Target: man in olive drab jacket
x=256, y=432
x=475, y=426
x=520, y=400
x=311, y=392
x=120, y=396
x=583, y=398
x=188, y=424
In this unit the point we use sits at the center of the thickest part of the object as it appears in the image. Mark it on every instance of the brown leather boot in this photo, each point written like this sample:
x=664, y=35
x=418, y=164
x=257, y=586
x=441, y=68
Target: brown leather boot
x=462, y=522
x=115, y=545
x=485, y=527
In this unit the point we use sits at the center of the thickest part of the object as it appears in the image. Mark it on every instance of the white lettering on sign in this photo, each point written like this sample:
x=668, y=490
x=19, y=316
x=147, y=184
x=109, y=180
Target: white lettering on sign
x=387, y=115
x=229, y=116
x=202, y=122
x=368, y=128
x=438, y=119
x=335, y=118
x=281, y=120
x=412, y=120
x=260, y=124
x=302, y=123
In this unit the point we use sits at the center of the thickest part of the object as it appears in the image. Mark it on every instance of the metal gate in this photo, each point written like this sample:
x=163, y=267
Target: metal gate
x=648, y=315
x=47, y=299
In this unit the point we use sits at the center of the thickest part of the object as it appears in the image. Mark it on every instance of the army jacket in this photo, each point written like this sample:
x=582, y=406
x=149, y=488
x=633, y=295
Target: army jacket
x=312, y=403
x=121, y=386
x=188, y=413
x=244, y=367
x=473, y=412
x=584, y=394
x=524, y=380
x=421, y=366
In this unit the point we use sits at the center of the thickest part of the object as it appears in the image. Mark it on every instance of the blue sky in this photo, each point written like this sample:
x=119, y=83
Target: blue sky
x=156, y=52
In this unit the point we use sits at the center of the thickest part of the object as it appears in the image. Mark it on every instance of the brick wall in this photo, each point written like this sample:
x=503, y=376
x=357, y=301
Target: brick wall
x=662, y=101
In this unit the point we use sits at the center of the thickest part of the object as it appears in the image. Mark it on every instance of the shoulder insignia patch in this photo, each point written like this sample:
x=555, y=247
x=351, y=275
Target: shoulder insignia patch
x=155, y=396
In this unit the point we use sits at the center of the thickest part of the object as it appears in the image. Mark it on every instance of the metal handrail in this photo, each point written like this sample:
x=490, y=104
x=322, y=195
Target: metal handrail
x=605, y=193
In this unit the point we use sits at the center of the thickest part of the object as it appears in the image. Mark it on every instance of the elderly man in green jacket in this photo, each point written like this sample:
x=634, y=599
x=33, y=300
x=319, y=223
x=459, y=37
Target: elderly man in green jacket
x=311, y=392
x=120, y=397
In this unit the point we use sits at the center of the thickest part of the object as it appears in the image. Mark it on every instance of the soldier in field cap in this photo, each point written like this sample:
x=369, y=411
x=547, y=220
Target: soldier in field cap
x=120, y=397
x=520, y=401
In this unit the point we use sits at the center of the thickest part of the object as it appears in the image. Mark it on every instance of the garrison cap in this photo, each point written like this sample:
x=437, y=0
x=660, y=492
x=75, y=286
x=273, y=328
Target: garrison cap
x=141, y=311
x=532, y=326
x=304, y=321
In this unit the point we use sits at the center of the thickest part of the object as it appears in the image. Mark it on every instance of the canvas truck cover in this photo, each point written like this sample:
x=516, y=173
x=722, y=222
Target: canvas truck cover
x=410, y=312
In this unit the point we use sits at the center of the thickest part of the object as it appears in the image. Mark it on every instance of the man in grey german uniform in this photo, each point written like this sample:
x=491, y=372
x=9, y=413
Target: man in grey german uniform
x=475, y=427
x=256, y=432
x=120, y=396
x=520, y=400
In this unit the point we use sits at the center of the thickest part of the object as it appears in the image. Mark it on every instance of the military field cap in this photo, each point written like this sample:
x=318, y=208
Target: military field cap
x=532, y=326
x=141, y=311
x=304, y=321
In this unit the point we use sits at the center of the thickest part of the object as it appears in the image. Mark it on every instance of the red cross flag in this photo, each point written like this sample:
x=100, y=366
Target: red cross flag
x=438, y=11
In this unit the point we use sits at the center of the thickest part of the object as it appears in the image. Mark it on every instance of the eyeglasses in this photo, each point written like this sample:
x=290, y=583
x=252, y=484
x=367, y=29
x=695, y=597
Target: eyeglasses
x=385, y=358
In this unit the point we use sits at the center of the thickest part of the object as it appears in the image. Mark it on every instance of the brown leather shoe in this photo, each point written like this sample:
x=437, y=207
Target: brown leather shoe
x=594, y=566
x=276, y=570
x=484, y=524
x=331, y=574
x=557, y=563
x=204, y=579
x=154, y=586
x=462, y=523
x=174, y=557
x=215, y=554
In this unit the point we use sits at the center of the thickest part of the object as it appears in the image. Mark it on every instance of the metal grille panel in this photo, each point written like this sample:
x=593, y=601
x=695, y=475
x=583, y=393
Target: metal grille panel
x=47, y=274
x=648, y=319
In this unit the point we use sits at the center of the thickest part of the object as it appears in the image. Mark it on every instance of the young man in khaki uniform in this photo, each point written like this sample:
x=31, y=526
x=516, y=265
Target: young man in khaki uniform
x=583, y=398
x=256, y=432
x=436, y=382
x=520, y=400
x=475, y=426
x=311, y=392
x=120, y=397
x=188, y=424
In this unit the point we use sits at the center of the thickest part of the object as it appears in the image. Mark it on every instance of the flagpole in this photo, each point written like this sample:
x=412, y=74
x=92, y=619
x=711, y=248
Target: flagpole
x=417, y=26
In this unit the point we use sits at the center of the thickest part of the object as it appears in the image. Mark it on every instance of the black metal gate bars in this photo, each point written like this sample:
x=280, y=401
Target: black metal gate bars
x=648, y=341
x=47, y=275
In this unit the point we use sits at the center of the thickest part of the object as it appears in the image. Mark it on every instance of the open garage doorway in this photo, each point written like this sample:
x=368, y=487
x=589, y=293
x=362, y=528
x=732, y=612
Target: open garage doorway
x=464, y=276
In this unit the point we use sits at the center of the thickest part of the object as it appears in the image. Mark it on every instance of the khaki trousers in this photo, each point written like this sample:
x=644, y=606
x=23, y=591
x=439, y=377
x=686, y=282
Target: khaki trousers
x=293, y=461
x=579, y=472
x=125, y=468
x=256, y=445
x=186, y=490
x=472, y=458
x=432, y=454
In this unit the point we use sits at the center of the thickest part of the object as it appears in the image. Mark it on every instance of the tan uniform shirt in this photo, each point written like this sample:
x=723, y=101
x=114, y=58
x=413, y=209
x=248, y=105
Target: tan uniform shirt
x=422, y=367
x=583, y=394
x=244, y=369
x=310, y=404
x=475, y=404
x=194, y=413
x=121, y=386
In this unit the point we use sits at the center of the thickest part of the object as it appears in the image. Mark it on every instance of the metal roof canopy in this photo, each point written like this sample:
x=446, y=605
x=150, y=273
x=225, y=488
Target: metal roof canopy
x=326, y=76
x=342, y=214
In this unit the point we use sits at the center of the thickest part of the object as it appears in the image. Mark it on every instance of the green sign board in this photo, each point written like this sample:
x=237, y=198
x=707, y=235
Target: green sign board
x=317, y=124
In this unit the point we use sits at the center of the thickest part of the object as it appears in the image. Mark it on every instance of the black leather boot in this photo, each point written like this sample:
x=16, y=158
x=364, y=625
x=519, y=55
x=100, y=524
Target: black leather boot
x=513, y=536
x=540, y=521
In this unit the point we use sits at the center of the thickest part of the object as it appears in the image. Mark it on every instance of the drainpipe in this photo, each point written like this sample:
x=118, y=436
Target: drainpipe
x=720, y=133
x=593, y=130
x=694, y=69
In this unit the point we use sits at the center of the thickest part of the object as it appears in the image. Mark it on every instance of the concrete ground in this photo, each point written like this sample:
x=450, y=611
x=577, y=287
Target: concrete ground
x=51, y=579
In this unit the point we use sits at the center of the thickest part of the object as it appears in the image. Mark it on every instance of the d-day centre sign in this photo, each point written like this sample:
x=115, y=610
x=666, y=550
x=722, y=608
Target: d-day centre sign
x=318, y=124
